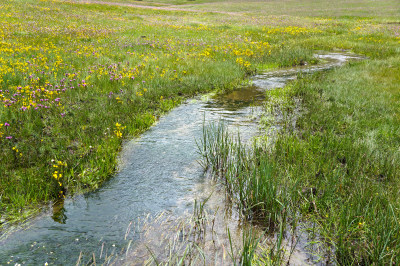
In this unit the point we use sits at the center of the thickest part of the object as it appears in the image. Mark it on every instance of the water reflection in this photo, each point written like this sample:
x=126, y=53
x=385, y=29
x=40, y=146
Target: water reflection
x=59, y=212
x=237, y=99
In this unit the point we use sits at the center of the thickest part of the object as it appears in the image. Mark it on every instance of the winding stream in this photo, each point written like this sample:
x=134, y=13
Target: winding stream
x=156, y=172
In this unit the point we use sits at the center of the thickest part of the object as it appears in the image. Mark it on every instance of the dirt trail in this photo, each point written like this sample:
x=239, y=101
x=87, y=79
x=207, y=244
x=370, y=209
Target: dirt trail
x=167, y=8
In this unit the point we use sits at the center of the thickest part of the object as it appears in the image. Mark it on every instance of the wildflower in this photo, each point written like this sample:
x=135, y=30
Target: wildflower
x=118, y=134
x=118, y=130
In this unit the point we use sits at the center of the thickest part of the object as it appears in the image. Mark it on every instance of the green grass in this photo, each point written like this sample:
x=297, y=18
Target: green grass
x=338, y=168
x=307, y=8
x=346, y=148
x=76, y=79
x=73, y=88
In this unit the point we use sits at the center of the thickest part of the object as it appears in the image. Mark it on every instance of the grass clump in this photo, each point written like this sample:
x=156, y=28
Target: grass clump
x=243, y=171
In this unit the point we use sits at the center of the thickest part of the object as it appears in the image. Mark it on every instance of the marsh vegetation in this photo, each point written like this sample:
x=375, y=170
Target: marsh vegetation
x=77, y=78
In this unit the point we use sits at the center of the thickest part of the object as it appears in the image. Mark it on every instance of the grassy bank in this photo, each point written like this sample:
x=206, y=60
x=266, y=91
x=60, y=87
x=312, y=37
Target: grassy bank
x=76, y=79
x=344, y=159
x=338, y=168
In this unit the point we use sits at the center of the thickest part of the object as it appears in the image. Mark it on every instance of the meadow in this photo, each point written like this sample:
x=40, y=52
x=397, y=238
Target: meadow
x=74, y=85
x=77, y=79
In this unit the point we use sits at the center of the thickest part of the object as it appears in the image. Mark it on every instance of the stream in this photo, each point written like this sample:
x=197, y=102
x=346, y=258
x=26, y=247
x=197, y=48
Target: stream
x=159, y=171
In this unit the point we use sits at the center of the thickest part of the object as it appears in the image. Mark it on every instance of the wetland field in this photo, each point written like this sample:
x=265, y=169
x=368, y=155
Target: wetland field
x=115, y=110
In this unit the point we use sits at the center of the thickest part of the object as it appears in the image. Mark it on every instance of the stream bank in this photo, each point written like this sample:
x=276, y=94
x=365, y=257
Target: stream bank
x=159, y=172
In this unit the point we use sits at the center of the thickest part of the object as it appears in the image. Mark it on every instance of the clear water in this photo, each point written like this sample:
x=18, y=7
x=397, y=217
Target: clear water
x=156, y=172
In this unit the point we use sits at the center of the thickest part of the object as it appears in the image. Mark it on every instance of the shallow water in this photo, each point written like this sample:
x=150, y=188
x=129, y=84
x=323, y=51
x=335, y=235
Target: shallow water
x=158, y=172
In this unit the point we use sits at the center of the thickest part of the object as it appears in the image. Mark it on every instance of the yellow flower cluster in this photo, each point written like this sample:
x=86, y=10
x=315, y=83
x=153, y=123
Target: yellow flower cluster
x=118, y=100
x=370, y=39
x=242, y=62
x=118, y=130
x=292, y=30
x=17, y=151
x=57, y=175
x=140, y=93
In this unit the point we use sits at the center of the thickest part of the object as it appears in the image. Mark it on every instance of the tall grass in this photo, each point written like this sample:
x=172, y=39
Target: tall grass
x=246, y=173
x=250, y=183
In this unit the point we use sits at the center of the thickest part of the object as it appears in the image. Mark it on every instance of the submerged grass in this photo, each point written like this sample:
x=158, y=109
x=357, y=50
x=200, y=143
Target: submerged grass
x=211, y=235
x=200, y=238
